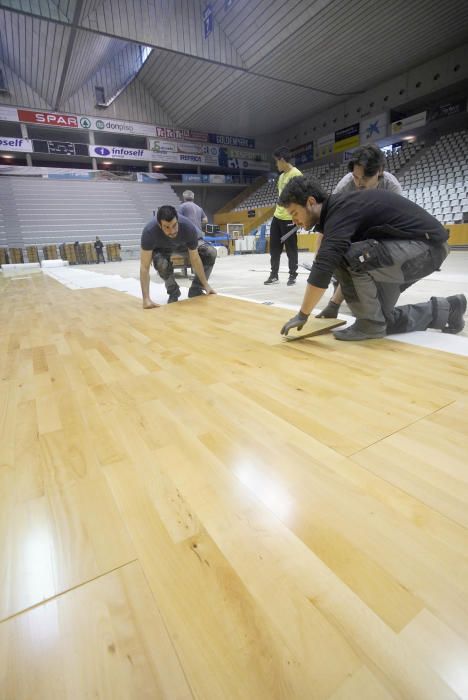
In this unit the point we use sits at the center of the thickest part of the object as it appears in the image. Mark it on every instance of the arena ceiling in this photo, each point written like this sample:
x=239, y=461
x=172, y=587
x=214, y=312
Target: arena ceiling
x=265, y=65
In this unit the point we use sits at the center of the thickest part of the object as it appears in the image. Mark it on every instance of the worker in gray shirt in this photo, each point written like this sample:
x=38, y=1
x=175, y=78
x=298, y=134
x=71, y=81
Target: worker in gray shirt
x=193, y=212
x=366, y=172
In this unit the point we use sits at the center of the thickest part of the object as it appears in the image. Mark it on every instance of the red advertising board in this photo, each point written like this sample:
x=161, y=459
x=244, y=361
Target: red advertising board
x=47, y=118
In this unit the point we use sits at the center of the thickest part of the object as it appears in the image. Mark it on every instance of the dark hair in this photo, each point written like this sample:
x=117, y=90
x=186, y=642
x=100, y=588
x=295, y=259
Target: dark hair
x=299, y=189
x=283, y=153
x=166, y=213
x=371, y=158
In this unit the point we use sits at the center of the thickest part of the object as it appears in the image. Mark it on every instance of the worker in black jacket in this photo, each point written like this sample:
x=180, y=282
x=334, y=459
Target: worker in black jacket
x=377, y=243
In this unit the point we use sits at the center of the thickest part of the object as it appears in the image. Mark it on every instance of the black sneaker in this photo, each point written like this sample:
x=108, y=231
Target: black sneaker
x=173, y=297
x=455, y=322
x=291, y=280
x=272, y=280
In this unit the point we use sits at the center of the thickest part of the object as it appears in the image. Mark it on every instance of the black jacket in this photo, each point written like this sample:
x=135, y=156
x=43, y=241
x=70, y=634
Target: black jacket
x=355, y=216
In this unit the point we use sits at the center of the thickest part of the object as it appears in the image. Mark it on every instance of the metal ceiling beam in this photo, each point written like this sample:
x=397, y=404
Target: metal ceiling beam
x=71, y=43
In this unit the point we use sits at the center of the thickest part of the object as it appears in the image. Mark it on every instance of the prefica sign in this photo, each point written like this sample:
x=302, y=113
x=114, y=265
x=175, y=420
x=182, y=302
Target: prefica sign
x=13, y=144
x=48, y=118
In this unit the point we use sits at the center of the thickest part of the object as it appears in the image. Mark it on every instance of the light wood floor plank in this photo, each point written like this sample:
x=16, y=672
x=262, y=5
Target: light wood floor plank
x=56, y=541
x=103, y=640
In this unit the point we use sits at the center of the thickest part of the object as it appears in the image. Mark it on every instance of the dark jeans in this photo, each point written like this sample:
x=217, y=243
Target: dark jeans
x=100, y=256
x=374, y=273
x=162, y=263
x=278, y=229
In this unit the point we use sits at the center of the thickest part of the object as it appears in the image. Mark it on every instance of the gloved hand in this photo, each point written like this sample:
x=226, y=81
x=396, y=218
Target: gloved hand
x=330, y=310
x=296, y=322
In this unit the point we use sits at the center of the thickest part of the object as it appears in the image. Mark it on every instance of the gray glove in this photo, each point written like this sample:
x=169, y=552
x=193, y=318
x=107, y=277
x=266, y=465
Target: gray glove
x=296, y=322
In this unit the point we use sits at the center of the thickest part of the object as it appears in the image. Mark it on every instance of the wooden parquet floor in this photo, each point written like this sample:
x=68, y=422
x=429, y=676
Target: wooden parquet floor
x=191, y=507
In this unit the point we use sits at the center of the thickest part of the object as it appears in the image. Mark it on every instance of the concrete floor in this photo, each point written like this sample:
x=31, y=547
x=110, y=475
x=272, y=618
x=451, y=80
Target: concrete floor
x=243, y=276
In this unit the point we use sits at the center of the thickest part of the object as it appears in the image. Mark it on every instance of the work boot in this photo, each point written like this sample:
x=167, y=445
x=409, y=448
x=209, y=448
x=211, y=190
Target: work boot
x=273, y=279
x=291, y=280
x=455, y=322
x=362, y=330
x=330, y=310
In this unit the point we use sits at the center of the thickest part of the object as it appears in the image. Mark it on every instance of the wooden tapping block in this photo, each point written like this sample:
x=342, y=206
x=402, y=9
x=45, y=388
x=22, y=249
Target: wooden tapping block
x=316, y=326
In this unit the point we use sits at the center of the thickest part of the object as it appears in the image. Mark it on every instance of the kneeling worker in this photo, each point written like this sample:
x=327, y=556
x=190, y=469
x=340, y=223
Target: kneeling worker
x=378, y=244
x=167, y=234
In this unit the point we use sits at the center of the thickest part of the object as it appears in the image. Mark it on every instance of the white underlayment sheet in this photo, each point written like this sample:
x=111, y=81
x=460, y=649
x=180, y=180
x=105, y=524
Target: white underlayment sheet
x=82, y=279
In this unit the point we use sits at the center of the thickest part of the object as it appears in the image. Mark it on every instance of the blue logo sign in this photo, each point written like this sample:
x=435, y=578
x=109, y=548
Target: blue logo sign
x=372, y=128
x=101, y=151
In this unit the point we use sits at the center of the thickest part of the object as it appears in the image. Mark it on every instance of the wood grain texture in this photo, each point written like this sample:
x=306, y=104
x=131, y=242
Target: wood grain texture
x=191, y=507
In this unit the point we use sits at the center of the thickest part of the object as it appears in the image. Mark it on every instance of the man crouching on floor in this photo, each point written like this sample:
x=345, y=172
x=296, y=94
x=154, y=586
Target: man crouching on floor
x=171, y=233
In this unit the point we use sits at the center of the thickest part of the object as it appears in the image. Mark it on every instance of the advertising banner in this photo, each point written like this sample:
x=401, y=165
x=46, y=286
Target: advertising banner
x=120, y=153
x=9, y=143
x=48, y=118
x=217, y=179
x=446, y=109
x=303, y=153
x=413, y=122
x=71, y=175
x=325, y=145
x=116, y=126
x=151, y=178
x=346, y=144
x=346, y=138
x=234, y=141
x=8, y=114
x=165, y=132
x=374, y=128
x=192, y=177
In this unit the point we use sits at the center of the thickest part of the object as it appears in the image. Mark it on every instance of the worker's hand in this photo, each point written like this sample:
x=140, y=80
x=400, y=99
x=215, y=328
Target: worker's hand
x=209, y=290
x=148, y=304
x=295, y=322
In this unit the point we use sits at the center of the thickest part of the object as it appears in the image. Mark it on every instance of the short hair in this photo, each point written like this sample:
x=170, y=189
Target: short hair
x=299, y=189
x=166, y=213
x=370, y=157
x=188, y=194
x=282, y=153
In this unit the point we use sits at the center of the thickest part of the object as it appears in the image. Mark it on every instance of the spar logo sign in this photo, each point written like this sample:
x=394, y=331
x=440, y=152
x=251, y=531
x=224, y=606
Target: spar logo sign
x=48, y=118
x=85, y=123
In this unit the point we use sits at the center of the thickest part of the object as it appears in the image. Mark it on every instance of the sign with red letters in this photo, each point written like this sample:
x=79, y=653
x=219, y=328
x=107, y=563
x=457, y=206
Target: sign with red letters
x=48, y=118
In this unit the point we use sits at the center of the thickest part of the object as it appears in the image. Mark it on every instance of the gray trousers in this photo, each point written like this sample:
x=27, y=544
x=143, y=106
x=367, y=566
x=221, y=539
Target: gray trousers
x=374, y=273
x=162, y=263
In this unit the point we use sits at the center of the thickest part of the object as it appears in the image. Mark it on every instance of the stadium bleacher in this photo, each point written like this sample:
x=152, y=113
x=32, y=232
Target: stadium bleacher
x=44, y=212
x=438, y=180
